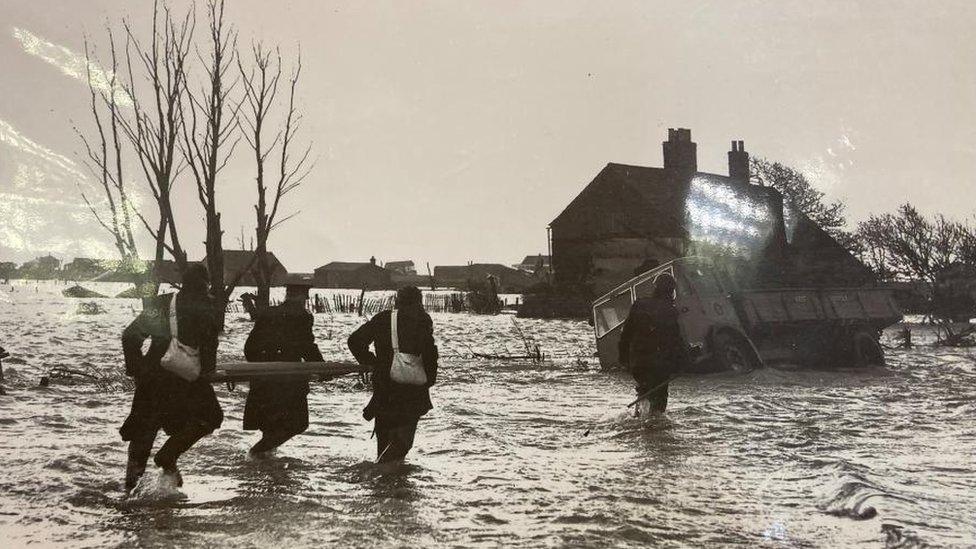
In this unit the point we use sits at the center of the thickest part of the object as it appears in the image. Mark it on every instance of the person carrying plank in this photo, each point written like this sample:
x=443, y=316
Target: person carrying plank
x=186, y=410
x=650, y=345
x=404, y=368
x=278, y=406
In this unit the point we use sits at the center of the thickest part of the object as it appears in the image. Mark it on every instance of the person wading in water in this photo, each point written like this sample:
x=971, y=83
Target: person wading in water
x=651, y=345
x=278, y=407
x=186, y=410
x=397, y=406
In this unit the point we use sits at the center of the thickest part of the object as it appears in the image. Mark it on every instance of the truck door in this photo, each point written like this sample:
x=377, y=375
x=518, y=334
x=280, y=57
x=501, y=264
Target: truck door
x=692, y=319
x=714, y=300
x=608, y=319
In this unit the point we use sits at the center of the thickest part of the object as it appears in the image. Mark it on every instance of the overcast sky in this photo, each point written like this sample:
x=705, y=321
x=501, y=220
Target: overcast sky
x=455, y=131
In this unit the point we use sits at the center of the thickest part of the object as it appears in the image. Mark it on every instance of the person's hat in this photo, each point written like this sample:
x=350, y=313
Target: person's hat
x=299, y=280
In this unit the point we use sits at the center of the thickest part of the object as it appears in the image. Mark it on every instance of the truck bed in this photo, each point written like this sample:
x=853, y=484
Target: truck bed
x=789, y=306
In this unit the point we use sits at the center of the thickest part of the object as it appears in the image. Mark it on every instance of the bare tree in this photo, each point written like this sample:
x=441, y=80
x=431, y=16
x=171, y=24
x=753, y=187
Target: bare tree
x=143, y=112
x=798, y=191
x=909, y=245
x=153, y=127
x=261, y=91
x=209, y=139
x=105, y=164
x=967, y=243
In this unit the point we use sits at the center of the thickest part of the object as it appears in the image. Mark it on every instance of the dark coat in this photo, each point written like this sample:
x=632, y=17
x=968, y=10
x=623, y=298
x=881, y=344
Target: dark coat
x=281, y=333
x=395, y=402
x=651, y=344
x=162, y=399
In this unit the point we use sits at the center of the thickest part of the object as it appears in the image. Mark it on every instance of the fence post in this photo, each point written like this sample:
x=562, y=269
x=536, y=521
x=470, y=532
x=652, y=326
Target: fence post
x=362, y=295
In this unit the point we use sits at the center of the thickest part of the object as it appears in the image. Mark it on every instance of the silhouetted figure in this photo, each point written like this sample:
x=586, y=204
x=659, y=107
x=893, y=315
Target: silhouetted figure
x=278, y=407
x=249, y=301
x=397, y=407
x=186, y=410
x=651, y=345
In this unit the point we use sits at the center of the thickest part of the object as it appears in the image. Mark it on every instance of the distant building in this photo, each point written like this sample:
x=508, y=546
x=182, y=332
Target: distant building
x=242, y=265
x=533, y=264
x=165, y=271
x=401, y=280
x=344, y=274
x=42, y=268
x=463, y=276
x=631, y=217
x=236, y=262
x=401, y=267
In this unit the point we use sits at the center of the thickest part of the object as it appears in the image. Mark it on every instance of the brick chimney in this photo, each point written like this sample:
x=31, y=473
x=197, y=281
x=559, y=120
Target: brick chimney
x=680, y=152
x=739, y=162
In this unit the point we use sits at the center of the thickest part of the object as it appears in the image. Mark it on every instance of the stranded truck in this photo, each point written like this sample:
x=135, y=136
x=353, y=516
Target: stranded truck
x=728, y=327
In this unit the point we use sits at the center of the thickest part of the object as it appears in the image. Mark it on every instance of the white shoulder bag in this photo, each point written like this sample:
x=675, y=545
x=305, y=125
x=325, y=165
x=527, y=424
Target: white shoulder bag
x=406, y=369
x=180, y=359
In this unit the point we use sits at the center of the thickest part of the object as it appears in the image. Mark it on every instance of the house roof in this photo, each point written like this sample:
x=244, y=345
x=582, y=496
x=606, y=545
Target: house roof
x=476, y=269
x=239, y=260
x=534, y=259
x=395, y=264
x=346, y=266
x=642, y=201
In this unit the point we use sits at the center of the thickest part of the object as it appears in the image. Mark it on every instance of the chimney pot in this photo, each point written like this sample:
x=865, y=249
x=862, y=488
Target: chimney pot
x=680, y=152
x=739, y=162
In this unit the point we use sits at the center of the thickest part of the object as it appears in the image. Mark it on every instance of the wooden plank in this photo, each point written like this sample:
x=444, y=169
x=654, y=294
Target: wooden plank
x=242, y=371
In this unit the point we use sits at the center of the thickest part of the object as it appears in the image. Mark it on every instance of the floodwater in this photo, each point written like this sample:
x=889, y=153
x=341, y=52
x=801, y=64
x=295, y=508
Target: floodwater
x=515, y=454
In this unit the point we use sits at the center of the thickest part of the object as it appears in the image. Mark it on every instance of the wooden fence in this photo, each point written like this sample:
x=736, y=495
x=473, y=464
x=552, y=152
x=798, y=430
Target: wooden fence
x=454, y=302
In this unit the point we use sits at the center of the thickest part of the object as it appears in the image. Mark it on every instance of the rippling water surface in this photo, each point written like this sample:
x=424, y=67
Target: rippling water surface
x=514, y=454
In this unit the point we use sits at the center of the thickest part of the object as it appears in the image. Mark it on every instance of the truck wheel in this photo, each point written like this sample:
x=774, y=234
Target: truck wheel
x=732, y=353
x=866, y=350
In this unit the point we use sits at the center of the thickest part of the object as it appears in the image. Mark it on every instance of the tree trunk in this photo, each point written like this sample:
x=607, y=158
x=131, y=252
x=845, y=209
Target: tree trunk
x=215, y=264
x=263, y=272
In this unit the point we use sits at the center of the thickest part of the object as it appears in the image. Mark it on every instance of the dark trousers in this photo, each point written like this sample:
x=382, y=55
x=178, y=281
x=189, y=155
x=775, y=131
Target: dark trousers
x=394, y=438
x=659, y=398
x=273, y=438
x=141, y=446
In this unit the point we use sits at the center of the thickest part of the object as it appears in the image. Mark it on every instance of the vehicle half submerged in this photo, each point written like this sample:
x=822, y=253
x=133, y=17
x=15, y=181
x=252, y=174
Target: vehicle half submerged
x=730, y=326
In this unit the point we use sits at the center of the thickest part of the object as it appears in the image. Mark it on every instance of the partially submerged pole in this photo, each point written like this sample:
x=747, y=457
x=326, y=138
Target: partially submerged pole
x=3, y=354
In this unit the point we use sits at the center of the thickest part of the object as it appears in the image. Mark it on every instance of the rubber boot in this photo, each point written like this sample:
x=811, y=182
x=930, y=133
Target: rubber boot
x=169, y=467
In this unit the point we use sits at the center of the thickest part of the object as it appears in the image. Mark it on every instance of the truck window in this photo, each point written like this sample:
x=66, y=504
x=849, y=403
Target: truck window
x=612, y=313
x=646, y=288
